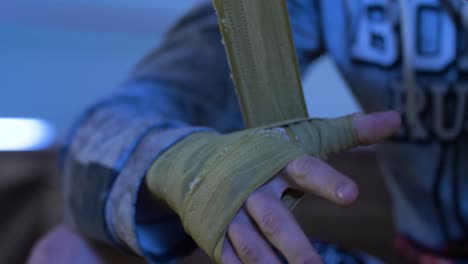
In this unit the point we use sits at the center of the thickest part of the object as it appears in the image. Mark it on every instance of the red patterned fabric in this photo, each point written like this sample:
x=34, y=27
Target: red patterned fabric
x=412, y=252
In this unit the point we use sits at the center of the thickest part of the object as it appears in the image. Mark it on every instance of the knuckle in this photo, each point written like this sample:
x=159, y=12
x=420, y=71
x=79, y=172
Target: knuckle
x=271, y=223
x=303, y=167
x=248, y=252
x=300, y=166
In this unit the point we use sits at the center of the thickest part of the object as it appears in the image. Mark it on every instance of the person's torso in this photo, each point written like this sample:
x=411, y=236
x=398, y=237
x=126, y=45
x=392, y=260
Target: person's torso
x=427, y=161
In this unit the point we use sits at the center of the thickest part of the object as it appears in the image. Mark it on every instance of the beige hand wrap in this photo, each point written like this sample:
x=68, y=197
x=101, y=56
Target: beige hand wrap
x=207, y=177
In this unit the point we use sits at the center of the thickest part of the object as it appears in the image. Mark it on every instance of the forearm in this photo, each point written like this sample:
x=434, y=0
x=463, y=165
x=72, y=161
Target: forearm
x=110, y=151
x=181, y=88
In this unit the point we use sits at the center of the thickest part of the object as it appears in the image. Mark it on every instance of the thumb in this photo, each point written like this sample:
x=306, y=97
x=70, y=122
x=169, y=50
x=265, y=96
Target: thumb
x=322, y=137
x=372, y=128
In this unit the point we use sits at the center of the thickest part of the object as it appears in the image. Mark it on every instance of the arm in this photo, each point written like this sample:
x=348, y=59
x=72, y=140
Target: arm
x=181, y=88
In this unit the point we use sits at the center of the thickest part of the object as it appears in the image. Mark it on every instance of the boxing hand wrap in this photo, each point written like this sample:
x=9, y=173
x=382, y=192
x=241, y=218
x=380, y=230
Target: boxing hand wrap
x=206, y=177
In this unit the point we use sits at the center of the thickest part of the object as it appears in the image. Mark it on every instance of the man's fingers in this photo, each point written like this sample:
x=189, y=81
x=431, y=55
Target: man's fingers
x=315, y=176
x=331, y=136
x=372, y=128
x=229, y=256
x=280, y=228
x=250, y=246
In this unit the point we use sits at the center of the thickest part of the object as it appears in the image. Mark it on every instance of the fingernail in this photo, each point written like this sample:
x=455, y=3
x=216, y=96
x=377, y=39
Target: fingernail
x=347, y=192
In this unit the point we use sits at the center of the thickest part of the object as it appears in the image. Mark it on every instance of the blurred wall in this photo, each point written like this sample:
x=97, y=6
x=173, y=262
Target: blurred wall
x=58, y=56
x=53, y=74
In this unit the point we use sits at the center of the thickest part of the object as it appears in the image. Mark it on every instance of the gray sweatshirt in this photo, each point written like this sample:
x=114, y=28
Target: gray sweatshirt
x=412, y=57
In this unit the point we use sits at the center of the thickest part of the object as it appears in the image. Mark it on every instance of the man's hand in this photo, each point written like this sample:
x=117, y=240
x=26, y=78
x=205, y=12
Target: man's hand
x=265, y=221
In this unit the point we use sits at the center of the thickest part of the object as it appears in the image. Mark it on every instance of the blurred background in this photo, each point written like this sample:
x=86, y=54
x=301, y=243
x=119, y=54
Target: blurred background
x=58, y=56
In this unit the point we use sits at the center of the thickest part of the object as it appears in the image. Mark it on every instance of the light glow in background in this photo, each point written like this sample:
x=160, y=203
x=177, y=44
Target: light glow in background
x=25, y=134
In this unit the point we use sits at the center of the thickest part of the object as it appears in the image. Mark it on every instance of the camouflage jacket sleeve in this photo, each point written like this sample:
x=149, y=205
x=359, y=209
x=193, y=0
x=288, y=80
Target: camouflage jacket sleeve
x=181, y=88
